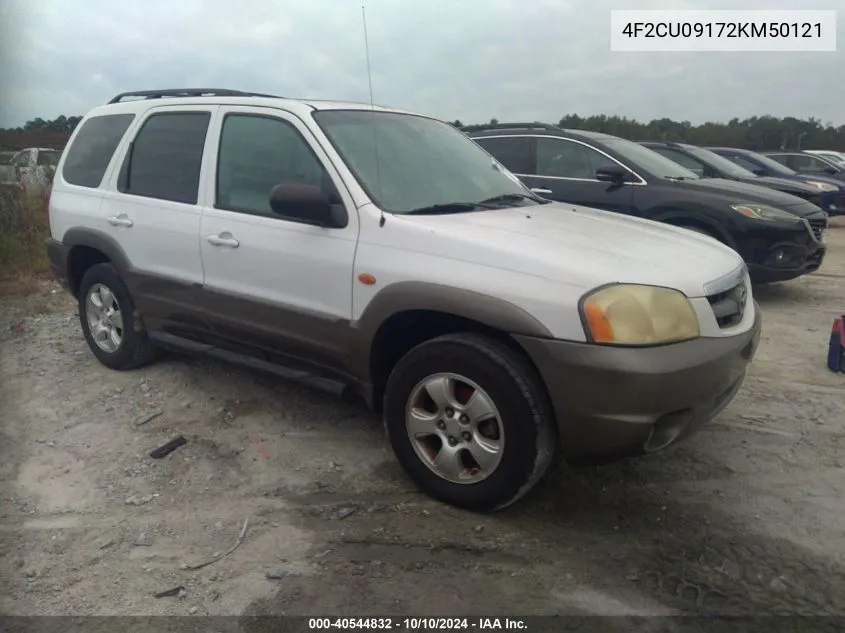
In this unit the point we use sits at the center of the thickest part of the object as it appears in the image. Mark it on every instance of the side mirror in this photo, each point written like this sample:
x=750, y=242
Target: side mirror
x=831, y=170
x=306, y=204
x=611, y=173
x=758, y=172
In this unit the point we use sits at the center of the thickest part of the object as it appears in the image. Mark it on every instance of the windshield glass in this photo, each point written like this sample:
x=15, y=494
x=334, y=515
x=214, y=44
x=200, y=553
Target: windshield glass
x=772, y=165
x=721, y=163
x=649, y=160
x=834, y=158
x=406, y=162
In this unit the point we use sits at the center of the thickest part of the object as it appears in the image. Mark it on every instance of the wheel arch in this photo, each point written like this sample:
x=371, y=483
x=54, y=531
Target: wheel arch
x=88, y=247
x=406, y=314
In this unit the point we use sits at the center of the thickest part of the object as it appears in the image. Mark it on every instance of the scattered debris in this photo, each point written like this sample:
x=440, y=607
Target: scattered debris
x=478, y=529
x=171, y=593
x=138, y=500
x=342, y=513
x=335, y=467
x=147, y=417
x=259, y=448
x=217, y=556
x=108, y=543
x=276, y=574
x=166, y=449
x=144, y=540
x=192, y=610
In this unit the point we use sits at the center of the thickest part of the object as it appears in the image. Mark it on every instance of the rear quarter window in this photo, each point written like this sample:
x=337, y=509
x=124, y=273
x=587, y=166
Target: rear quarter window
x=91, y=151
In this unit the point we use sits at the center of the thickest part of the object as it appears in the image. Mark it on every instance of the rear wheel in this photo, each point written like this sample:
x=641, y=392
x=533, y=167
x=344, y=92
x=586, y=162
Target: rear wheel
x=470, y=421
x=108, y=320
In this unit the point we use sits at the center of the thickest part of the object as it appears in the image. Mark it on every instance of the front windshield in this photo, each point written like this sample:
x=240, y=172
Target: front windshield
x=772, y=165
x=834, y=158
x=721, y=163
x=406, y=162
x=649, y=160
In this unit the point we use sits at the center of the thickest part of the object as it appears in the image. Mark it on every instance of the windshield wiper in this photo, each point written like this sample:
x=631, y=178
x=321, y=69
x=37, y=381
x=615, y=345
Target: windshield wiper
x=508, y=197
x=676, y=178
x=449, y=207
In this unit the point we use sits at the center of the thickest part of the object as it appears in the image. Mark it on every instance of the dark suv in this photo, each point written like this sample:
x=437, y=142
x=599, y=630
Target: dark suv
x=778, y=235
x=707, y=164
x=832, y=191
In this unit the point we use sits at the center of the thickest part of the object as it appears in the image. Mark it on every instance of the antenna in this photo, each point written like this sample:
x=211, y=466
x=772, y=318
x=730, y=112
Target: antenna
x=372, y=106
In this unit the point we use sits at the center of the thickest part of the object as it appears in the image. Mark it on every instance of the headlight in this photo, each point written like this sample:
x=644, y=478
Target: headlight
x=823, y=186
x=764, y=212
x=626, y=314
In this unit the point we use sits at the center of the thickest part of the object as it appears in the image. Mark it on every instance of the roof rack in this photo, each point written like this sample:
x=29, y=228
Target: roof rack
x=537, y=125
x=187, y=92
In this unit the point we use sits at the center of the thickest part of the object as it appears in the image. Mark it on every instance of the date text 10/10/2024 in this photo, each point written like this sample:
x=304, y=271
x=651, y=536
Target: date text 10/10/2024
x=417, y=624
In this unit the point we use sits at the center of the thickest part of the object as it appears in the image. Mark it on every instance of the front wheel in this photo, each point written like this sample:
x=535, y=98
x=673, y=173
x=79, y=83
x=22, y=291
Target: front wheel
x=470, y=421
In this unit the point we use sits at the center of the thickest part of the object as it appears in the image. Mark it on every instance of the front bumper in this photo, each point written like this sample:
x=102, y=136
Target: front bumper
x=779, y=253
x=613, y=402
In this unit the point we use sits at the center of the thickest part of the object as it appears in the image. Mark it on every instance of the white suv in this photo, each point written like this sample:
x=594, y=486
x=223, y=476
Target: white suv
x=370, y=249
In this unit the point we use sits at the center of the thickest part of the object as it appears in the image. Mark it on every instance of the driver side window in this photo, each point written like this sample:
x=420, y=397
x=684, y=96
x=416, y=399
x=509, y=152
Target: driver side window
x=562, y=158
x=804, y=162
x=256, y=154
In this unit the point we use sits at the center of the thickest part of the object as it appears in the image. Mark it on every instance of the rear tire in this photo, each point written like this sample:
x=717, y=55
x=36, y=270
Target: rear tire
x=459, y=397
x=108, y=319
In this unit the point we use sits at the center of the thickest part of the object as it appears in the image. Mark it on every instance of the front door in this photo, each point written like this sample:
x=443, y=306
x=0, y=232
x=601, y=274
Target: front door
x=271, y=283
x=566, y=171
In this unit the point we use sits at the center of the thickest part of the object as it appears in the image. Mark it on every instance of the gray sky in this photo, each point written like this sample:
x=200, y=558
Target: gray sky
x=466, y=59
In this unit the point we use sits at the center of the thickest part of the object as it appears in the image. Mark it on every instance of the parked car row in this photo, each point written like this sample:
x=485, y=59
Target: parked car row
x=30, y=169
x=779, y=235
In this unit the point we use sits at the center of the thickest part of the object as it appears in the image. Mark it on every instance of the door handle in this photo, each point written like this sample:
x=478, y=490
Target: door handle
x=541, y=191
x=223, y=239
x=120, y=220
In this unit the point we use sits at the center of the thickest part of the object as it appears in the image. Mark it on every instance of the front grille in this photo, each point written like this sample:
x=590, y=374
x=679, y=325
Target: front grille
x=817, y=227
x=729, y=307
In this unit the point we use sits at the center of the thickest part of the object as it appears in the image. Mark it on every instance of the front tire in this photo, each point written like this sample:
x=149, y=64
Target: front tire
x=108, y=319
x=470, y=421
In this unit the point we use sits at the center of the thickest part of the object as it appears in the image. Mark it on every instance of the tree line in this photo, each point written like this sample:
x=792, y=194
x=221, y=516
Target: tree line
x=755, y=133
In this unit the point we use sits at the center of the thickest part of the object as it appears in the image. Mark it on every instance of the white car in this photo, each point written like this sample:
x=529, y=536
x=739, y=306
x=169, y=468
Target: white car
x=382, y=252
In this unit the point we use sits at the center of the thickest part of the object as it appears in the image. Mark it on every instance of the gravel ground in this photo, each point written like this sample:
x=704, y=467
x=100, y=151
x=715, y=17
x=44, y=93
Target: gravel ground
x=747, y=517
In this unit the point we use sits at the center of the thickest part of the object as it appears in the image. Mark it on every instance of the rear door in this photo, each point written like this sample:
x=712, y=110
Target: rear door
x=152, y=206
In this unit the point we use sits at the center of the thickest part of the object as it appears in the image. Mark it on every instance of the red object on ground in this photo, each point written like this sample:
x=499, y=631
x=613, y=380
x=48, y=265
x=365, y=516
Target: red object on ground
x=836, y=351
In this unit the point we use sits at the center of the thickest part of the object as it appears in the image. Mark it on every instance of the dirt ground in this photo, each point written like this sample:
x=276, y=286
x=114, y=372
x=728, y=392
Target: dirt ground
x=746, y=517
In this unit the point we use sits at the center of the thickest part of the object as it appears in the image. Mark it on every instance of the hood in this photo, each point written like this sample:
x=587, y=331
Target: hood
x=578, y=246
x=738, y=192
x=783, y=184
x=828, y=180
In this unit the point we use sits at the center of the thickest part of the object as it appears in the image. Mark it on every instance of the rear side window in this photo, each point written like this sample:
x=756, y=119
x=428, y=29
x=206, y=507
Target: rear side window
x=165, y=159
x=514, y=152
x=89, y=155
x=48, y=158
